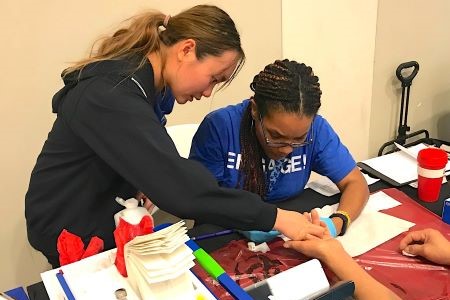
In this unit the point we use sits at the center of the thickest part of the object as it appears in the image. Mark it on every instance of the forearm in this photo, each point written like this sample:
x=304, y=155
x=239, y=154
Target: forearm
x=354, y=198
x=366, y=287
x=355, y=193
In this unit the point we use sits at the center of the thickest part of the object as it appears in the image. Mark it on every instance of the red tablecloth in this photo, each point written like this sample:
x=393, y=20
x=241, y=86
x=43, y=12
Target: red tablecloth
x=410, y=278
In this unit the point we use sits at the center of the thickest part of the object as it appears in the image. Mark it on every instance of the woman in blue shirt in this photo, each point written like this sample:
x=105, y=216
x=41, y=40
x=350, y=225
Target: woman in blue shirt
x=270, y=143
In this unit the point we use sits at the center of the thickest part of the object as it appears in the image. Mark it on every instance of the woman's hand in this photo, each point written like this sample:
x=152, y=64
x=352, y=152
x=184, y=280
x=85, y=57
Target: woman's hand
x=296, y=226
x=148, y=204
x=315, y=219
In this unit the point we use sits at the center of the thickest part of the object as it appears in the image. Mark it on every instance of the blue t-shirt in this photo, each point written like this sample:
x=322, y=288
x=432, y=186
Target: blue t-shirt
x=217, y=146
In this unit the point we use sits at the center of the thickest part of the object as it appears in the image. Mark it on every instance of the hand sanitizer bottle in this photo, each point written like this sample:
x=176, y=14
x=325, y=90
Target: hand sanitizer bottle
x=132, y=212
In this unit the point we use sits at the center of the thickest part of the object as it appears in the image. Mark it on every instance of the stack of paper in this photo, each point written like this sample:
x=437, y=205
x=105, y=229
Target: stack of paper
x=158, y=264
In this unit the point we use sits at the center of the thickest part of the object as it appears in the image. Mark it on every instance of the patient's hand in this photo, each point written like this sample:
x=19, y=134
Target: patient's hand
x=326, y=249
x=315, y=219
x=317, y=247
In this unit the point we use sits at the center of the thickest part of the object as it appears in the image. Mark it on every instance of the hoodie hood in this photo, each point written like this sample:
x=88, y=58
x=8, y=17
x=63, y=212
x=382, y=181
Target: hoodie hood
x=123, y=68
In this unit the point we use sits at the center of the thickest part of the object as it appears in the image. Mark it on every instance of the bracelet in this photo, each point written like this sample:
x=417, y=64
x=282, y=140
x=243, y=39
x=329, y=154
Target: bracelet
x=346, y=215
x=345, y=220
x=330, y=226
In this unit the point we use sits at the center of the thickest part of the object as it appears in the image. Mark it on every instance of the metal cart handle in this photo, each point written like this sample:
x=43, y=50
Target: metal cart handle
x=406, y=81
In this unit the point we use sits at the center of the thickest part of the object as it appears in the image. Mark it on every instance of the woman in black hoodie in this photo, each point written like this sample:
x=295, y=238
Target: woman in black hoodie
x=109, y=139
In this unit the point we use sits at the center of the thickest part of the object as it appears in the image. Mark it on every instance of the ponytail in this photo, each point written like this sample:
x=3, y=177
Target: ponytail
x=212, y=28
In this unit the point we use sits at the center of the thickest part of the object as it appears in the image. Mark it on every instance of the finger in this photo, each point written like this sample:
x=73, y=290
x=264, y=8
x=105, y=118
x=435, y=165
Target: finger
x=311, y=237
x=411, y=238
x=315, y=230
x=287, y=244
x=325, y=227
x=307, y=215
x=315, y=218
x=296, y=245
x=415, y=249
x=148, y=204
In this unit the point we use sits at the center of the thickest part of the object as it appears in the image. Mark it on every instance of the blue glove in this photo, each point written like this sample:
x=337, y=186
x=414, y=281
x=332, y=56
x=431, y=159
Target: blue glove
x=330, y=226
x=260, y=236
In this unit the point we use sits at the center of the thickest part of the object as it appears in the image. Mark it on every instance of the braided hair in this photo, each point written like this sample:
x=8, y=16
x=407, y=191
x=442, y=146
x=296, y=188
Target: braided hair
x=286, y=86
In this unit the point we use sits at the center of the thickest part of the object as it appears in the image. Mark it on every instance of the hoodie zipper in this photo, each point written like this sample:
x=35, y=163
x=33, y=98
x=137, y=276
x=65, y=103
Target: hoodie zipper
x=140, y=86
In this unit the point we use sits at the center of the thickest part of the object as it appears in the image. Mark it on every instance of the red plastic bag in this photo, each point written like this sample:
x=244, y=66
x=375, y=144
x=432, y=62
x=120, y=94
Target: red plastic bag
x=95, y=246
x=411, y=278
x=124, y=233
x=71, y=247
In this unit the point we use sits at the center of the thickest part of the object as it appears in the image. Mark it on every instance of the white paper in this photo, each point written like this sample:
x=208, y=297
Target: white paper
x=158, y=264
x=399, y=166
x=413, y=152
x=95, y=277
x=376, y=202
x=370, y=180
x=300, y=282
x=379, y=201
x=323, y=186
x=166, y=260
x=372, y=227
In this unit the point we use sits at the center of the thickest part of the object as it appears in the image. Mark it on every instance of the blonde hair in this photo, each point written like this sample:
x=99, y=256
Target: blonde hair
x=212, y=29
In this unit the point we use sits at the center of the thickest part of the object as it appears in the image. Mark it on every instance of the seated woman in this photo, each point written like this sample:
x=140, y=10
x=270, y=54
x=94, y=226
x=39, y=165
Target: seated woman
x=269, y=144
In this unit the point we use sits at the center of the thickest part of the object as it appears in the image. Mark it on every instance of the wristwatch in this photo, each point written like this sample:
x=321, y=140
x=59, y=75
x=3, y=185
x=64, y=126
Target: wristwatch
x=345, y=221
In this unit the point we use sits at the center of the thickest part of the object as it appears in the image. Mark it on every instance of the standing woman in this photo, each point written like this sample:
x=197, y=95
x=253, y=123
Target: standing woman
x=269, y=144
x=109, y=139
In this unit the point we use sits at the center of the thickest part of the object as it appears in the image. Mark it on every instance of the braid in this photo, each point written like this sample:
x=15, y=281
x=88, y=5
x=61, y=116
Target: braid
x=282, y=86
x=288, y=86
x=251, y=154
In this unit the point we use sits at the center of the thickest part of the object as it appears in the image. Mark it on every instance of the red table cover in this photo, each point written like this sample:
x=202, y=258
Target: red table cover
x=411, y=278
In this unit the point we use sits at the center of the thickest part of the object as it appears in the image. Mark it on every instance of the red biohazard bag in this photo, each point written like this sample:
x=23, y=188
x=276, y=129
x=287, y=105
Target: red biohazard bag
x=246, y=267
x=124, y=233
x=411, y=278
x=71, y=247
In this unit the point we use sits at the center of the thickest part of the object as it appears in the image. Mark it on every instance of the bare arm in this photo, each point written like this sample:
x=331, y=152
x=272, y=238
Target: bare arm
x=331, y=253
x=355, y=193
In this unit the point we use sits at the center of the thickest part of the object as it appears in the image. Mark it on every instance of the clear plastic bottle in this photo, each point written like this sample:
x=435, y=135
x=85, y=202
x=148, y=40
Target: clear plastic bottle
x=132, y=213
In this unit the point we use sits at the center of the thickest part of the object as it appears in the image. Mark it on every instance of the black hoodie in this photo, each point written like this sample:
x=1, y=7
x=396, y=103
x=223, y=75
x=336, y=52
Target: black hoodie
x=107, y=141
